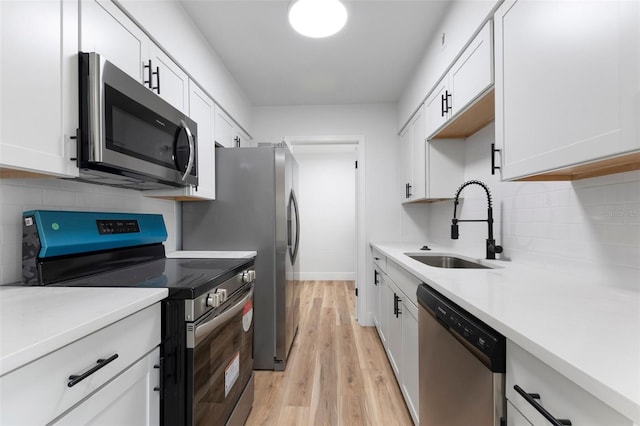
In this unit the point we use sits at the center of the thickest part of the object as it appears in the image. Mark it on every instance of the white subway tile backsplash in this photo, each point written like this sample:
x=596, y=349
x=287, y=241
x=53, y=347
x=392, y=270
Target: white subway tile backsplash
x=590, y=196
x=589, y=227
x=56, y=198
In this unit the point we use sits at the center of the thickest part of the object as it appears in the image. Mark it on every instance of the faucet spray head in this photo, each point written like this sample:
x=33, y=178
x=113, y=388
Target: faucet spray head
x=454, y=229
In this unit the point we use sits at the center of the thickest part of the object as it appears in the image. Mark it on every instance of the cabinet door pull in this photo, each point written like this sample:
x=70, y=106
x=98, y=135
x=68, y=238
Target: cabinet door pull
x=443, y=105
x=448, y=99
x=493, y=159
x=396, y=305
x=375, y=276
x=531, y=399
x=148, y=82
x=75, y=379
x=409, y=186
x=157, y=74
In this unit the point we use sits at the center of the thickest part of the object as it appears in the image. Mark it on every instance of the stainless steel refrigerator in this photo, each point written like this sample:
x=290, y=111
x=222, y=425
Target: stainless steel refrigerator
x=256, y=209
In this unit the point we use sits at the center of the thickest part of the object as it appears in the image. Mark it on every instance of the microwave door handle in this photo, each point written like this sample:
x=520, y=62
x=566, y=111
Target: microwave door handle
x=208, y=327
x=191, y=150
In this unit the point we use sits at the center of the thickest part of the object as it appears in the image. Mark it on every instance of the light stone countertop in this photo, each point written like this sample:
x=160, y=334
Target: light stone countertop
x=587, y=331
x=35, y=321
x=195, y=254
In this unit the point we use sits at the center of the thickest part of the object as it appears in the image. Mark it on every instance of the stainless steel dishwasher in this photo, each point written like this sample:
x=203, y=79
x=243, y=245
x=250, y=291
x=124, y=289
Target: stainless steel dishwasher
x=461, y=365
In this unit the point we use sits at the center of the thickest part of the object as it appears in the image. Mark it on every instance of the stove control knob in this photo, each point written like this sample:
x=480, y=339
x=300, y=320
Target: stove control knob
x=221, y=294
x=213, y=300
x=248, y=276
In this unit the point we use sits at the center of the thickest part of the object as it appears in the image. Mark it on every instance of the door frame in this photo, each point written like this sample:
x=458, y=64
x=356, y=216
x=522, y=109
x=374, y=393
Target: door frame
x=361, y=243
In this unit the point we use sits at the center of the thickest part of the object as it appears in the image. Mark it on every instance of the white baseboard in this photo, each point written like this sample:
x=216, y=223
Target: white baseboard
x=327, y=276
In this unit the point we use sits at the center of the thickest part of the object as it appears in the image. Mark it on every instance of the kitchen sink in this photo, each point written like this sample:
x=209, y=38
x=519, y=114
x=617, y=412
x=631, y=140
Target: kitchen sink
x=443, y=261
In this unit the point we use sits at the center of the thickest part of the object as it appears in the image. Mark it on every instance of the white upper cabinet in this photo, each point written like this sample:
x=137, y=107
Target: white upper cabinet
x=228, y=133
x=241, y=138
x=168, y=79
x=436, y=111
x=462, y=103
x=106, y=30
x=567, y=88
x=413, y=158
x=202, y=111
x=431, y=170
x=224, y=129
x=38, y=87
x=472, y=74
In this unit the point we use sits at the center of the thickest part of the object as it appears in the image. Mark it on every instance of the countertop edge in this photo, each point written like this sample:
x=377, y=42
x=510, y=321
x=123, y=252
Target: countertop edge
x=622, y=403
x=27, y=355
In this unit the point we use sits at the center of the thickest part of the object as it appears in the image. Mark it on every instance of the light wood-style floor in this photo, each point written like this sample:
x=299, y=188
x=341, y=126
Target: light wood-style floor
x=337, y=374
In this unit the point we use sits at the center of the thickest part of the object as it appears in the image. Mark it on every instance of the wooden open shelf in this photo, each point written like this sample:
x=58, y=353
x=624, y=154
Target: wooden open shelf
x=6, y=173
x=622, y=163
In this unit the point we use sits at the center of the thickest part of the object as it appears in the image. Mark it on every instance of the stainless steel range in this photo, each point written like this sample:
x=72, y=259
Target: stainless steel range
x=207, y=321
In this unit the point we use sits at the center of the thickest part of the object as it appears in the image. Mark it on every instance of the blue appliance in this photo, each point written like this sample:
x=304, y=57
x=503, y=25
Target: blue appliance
x=50, y=237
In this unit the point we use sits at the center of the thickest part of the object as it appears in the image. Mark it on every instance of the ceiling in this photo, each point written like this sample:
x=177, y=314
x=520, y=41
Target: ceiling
x=370, y=61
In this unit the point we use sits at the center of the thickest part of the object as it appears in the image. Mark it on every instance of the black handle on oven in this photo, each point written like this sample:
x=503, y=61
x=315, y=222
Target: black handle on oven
x=74, y=379
x=203, y=330
x=531, y=399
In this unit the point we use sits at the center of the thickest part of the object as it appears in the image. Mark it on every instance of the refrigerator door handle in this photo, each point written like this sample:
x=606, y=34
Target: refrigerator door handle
x=293, y=246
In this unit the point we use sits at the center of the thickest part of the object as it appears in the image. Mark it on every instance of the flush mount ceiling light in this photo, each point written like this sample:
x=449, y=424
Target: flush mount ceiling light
x=317, y=18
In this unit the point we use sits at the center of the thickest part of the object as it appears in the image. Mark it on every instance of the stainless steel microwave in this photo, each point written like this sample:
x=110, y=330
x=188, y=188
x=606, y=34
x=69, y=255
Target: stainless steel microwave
x=129, y=136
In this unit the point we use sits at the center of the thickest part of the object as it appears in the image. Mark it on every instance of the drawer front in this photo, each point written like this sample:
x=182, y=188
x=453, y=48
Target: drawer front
x=130, y=399
x=39, y=391
x=515, y=417
x=405, y=281
x=379, y=259
x=558, y=395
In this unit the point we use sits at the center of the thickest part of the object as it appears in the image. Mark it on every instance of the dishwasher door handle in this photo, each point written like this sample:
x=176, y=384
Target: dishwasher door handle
x=531, y=399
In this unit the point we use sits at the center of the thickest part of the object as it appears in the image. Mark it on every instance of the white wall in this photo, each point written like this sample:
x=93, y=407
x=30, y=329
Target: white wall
x=17, y=195
x=327, y=201
x=462, y=20
x=377, y=123
x=172, y=28
x=588, y=227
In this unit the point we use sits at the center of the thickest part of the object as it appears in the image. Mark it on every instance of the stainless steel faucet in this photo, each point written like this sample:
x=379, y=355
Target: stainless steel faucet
x=492, y=248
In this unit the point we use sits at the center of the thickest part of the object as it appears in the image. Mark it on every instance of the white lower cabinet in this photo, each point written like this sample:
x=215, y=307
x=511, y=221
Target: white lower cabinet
x=131, y=398
x=44, y=390
x=515, y=417
x=409, y=313
x=561, y=397
x=384, y=294
x=398, y=328
x=394, y=336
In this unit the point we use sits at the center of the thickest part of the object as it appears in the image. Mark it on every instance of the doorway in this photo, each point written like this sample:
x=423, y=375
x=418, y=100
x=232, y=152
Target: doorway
x=331, y=197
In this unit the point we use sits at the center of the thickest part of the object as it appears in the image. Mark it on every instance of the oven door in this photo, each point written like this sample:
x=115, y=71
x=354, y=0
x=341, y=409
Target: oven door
x=220, y=364
x=127, y=129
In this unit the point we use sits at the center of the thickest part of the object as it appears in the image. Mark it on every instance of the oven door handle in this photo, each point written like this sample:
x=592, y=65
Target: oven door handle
x=203, y=330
